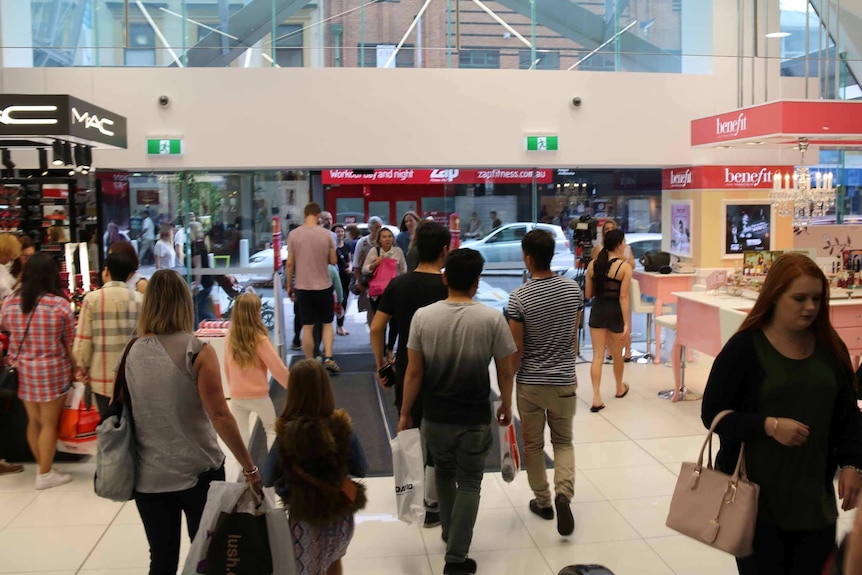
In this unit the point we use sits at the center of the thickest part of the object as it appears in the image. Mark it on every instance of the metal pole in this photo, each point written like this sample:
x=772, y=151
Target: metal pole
x=740, y=51
x=838, y=49
x=457, y=25
x=448, y=33
x=766, y=57
x=272, y=45
x=412, y=25
x=807, y=46
x=605, y=43
x=126, y=23
x=361, y=33
x=419, y=43
x=533, y=33
x=753, y=47
x=535, y=198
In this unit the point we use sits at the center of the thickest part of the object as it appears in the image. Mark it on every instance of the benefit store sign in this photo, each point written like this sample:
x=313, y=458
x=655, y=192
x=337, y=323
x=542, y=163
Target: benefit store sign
x=60, y=116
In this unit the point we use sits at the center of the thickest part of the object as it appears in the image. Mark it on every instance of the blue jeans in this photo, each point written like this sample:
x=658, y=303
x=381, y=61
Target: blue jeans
x=202, y=305
x=459, y=453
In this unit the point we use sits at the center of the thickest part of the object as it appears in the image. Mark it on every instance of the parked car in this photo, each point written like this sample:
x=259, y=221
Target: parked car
x=262, y=261
x=501, y=247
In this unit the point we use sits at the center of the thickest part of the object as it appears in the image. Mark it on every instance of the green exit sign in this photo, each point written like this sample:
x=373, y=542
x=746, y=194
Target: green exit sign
x=164, y=147
x=542, y=143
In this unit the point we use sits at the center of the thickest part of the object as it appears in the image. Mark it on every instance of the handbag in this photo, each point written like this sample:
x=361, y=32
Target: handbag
x=78, y=422
x=366, y=278
x=9, y=373
x=116, y=455
x=653, y=261
x=383, y=274
x=713, y=507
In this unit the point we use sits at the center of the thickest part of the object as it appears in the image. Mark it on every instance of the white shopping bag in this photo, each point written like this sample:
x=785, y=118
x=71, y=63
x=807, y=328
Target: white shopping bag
x=510, y=457
x=224, y=497
x=408, y=467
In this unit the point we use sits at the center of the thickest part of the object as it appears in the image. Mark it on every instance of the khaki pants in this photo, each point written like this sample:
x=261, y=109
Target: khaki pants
x=555, y=404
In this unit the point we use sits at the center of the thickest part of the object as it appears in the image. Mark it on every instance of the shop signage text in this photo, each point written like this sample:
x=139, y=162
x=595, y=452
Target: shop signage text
x=732, y=127
x=437, y=176
x=9, y=116
x=92, y=121
x=720, y=177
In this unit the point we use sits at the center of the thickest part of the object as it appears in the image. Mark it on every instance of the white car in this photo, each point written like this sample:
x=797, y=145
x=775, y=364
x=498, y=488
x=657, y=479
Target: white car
x=263, y=261
x=501, y=247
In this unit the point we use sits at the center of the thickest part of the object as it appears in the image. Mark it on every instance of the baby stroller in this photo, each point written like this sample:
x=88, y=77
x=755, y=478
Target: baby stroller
x=232, y=289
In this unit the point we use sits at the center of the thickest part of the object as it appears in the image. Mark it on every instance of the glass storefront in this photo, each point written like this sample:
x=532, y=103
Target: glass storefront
x=615, y=36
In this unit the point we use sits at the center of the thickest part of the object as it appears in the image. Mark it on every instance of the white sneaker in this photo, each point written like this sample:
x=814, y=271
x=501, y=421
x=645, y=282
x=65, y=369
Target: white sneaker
x=51, y=479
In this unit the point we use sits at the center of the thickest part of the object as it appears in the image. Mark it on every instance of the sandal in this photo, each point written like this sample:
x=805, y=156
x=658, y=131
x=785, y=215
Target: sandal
x=625, y=393
x=597, y=408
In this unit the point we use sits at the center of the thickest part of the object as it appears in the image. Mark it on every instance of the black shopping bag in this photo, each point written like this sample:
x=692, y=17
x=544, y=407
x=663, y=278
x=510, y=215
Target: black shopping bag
x=240, y=546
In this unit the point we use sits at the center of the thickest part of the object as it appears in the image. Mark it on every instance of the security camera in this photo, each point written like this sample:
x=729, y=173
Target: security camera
x=164, y=101
x=576, y=101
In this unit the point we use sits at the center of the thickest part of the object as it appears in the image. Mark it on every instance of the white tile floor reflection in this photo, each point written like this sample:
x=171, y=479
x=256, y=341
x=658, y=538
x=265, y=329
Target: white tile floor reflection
x=627, y=457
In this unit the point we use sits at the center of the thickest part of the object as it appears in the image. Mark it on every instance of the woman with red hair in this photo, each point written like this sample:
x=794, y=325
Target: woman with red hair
x=787, y=377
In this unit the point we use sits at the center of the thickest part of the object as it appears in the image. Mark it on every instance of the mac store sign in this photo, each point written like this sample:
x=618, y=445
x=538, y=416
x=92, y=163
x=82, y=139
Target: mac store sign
x=39, y=116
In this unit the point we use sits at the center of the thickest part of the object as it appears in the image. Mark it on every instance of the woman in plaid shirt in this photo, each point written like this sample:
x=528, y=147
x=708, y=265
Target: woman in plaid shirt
x=43, y=354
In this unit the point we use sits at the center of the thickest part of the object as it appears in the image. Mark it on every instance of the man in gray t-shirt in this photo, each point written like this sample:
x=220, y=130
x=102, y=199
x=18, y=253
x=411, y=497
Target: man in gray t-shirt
x=450, y=346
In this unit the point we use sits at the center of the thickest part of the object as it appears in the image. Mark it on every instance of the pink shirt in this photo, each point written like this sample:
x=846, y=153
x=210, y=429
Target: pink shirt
x=309, y=247
x=251, y=382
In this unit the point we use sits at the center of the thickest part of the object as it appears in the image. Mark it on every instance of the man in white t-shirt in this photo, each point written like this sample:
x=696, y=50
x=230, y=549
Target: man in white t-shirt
x=147, y=238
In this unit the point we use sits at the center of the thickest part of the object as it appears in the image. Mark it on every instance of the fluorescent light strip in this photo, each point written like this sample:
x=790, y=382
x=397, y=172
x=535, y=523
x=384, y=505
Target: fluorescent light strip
x=201, y=24
x=158, y=32
x=608, y=41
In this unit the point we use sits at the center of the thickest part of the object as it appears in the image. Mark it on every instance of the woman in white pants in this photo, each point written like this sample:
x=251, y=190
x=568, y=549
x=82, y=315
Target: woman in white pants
x=248, y=356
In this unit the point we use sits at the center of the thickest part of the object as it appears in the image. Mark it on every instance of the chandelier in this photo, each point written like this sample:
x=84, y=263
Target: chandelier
x=802, y=195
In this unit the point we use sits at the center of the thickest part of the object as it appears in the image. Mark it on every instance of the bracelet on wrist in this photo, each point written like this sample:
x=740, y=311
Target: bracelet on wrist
x=252, y=471
x=856, y=469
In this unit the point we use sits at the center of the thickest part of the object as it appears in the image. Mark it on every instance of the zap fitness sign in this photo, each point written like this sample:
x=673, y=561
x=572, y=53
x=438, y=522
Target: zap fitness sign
x=437, y=176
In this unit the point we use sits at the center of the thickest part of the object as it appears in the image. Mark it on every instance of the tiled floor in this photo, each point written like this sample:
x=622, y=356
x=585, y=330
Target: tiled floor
x=627, y=457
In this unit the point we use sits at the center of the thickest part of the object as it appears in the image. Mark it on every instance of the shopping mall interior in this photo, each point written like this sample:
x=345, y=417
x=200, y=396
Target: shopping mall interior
x=689, y=123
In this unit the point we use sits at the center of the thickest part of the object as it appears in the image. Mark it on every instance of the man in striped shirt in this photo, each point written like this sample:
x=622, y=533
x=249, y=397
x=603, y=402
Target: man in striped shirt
x=543, y=316
x=108, y=319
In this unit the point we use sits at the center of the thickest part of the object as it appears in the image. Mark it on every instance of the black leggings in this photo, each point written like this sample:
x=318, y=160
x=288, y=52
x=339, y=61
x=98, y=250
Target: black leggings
x=345, y=284
x=779, y=552
x=161, y=515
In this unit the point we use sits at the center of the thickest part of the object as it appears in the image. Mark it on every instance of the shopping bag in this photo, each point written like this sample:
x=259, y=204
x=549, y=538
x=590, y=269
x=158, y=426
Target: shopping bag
x=78, y=423
x=264, y=524
x=383, y=274
x=510, y=457
x=408, y=467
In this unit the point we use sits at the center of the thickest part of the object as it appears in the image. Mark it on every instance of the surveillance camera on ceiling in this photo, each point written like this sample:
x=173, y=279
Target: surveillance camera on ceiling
x=164, y=101
x=576, y=101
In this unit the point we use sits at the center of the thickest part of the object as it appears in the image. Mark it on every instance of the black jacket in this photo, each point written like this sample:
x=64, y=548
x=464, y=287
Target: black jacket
x=734, y=383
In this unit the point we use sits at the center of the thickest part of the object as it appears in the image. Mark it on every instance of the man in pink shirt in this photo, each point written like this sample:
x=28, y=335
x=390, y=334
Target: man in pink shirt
x=310, y=250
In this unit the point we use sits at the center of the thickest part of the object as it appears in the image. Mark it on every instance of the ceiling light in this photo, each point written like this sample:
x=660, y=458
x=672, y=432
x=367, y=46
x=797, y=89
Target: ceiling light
x=79, y=155
x=58, y=153
x=67, y=154
x=723, y=147
x=43, y=161
x=88, y=157
x=802, y=195
x=753, y=143
x=778, y=35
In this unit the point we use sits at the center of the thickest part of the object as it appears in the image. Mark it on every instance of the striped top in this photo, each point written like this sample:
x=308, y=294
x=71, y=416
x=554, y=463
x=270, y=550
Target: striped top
x=547, y=307
x=107, y=321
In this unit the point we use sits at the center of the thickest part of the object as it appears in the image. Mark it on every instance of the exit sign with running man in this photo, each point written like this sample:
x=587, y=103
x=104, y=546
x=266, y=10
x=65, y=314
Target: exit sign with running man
x=164, y=147
x=542, y=143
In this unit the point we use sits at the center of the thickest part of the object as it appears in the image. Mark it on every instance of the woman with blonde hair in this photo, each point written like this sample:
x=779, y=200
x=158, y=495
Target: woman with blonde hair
x=10, y=248
x=249, y=354
x=179, y=409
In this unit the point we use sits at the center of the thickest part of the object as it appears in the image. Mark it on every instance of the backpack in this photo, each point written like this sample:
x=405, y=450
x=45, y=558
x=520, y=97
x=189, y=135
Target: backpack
x=653, y=261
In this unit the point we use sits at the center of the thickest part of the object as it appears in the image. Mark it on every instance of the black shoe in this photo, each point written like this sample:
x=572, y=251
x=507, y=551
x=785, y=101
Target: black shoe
x=467, y=566
x=295, y=345
x=546, y=513
x=444, y=536
x=565, y=521
x=432, y=519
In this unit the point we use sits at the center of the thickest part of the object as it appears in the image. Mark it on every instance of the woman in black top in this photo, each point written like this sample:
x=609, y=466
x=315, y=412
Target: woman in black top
x=203, y=284
x=608, y=279
x=342, y=251
x=787, y=376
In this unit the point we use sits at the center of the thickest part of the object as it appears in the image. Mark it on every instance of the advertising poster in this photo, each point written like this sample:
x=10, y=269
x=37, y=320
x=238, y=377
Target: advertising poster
x=680, y=237
x=747, y=227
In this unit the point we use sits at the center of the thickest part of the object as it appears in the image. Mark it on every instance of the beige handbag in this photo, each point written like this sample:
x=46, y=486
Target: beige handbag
x=712, y=507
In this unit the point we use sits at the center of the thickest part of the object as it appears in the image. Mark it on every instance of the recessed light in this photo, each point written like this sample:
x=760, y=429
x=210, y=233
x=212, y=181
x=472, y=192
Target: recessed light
x=753, y=143
x=723, y=147
x=778, y=35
